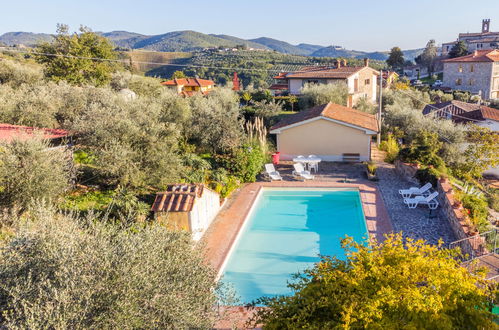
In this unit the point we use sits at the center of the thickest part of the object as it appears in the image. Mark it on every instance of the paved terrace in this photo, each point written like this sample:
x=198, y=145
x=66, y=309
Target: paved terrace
x=383, y=206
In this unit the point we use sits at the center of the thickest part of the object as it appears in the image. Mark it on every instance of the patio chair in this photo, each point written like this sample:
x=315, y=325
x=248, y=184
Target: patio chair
x=313, y=165
x=424, y=190
x=429, y=200
x=272, y=173
x=300, y=171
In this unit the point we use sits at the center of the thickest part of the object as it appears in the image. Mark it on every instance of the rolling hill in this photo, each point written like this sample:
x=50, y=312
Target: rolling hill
x=187, y=41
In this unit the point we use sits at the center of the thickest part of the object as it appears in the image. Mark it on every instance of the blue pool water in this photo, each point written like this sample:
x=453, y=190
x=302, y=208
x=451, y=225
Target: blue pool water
x=286, y=232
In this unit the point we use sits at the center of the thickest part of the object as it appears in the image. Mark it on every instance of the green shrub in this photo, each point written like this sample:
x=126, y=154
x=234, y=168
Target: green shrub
x=391, y=147
x=428, y=174
x=478, y=210
x=245, y=162
x=493, y=200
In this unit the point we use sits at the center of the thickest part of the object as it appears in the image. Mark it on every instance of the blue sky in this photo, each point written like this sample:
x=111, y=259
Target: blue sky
x=361, y=25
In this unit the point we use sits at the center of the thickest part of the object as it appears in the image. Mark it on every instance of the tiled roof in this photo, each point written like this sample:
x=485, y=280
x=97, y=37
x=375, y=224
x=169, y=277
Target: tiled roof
x=332, y=111
x=464, y=106
x=331, y=73
x=483, y=113
x=477, y=56
x=9, y=132
x=177, y=198
x=472, y=111
x=190, y=82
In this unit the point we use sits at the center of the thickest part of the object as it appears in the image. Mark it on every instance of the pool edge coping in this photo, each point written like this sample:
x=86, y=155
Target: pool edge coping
x=219, y=244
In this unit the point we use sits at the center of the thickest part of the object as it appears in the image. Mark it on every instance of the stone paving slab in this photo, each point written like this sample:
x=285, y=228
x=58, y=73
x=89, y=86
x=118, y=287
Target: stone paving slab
x=414, y=223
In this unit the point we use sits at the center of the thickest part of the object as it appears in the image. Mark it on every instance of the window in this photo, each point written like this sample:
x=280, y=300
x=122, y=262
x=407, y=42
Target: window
x=460, y=68
x=356, y=85
x=472, y=82
x=367, y=81
x=459, y=81
x=472, y=68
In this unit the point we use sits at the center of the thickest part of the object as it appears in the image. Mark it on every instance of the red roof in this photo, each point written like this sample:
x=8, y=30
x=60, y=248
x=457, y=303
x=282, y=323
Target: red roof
x=189, y=82
x=332, y=111
x=342, y=72
x=481, y=114
x=177, y=198
x=10, y=132
x=477, y=56
x=279, y=87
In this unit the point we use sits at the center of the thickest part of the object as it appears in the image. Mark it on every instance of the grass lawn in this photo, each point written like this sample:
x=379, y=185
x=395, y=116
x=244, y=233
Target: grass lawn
x=428, y=80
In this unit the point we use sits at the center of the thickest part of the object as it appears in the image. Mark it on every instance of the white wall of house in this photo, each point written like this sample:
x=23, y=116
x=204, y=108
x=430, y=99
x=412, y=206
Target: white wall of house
x=203, y=212
x=295, y=86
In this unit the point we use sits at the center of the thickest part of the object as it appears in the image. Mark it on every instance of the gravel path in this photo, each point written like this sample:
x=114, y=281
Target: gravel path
x=414, y=223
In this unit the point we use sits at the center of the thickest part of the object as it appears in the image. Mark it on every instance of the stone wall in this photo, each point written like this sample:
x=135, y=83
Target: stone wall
x=408, y=171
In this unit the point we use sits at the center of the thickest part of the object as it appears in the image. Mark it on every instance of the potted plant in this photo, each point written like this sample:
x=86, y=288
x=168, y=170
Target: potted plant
x=371, y=171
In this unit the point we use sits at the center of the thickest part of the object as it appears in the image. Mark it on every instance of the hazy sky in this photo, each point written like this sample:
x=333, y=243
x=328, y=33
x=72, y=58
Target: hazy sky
x=361, y=25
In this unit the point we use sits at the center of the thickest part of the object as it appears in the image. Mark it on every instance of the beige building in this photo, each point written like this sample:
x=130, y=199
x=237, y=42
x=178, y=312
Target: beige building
x=330, y=131
x=362, y=81
x=477, y=73
x=484, y=40
x=190, y=207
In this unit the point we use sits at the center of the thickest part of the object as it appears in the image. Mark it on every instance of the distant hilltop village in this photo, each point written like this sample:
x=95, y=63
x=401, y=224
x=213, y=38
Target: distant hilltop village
x=484, y=40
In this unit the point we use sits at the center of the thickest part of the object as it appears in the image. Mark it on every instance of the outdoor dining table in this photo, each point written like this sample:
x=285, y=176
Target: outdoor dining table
x=307, y=161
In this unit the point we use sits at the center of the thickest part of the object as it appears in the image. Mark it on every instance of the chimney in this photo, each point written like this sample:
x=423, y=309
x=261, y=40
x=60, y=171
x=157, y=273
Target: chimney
x=343, y=62
x=475, y=53
x=338, y=64
x=486, y=25
x=366, y=62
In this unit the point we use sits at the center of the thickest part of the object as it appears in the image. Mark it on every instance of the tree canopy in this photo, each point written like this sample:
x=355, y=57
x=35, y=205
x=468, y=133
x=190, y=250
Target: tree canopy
x=396, y=58
x=459, y=49
x=391, y=285
x=428, y=56
x=63, y=272
x=79, y=58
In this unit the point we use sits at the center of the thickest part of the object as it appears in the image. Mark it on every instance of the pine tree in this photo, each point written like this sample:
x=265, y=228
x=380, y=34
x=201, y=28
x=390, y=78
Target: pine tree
x=458, y=50
x=396, y=59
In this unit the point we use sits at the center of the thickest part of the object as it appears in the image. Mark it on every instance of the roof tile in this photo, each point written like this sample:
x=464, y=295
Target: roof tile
x=332, y=111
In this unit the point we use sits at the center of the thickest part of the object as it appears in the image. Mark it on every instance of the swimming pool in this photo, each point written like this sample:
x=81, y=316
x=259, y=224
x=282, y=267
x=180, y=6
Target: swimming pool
x=285, y=232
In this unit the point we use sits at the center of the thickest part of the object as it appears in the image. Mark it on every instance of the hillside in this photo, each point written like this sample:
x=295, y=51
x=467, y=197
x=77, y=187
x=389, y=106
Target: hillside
x=280, y=46
x=382, y=56
x=24, y=38
x=188, y=41
x=239, y=41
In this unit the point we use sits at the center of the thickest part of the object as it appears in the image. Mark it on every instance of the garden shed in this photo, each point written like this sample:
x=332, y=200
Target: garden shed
x=190, y=207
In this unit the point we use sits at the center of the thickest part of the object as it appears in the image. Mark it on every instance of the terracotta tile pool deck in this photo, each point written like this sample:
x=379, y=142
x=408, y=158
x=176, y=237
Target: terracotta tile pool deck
x=224, y=229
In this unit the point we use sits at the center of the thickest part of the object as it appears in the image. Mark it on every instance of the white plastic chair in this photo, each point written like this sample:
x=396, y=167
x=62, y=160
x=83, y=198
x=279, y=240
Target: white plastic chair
x=313, y=165
x=429, y=200
x=301, y=172
x=272, y=173
x=424, y=190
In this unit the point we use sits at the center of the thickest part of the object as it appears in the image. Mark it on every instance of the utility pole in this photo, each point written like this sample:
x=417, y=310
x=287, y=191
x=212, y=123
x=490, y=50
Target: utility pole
x=378, y=137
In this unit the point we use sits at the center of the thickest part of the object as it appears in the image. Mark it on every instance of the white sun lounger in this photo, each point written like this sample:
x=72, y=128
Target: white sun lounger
x=429, y=200
x=272, y=173
x=424, y=190
x=300, y=171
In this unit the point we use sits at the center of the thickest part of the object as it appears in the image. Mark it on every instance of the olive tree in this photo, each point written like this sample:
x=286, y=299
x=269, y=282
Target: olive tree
x=317, y=94
x=63, y=272
x=30, y=171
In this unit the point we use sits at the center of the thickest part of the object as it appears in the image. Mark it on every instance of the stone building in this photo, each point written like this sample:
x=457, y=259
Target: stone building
x=484, y=40
x=477, y=73
x=362, y=81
